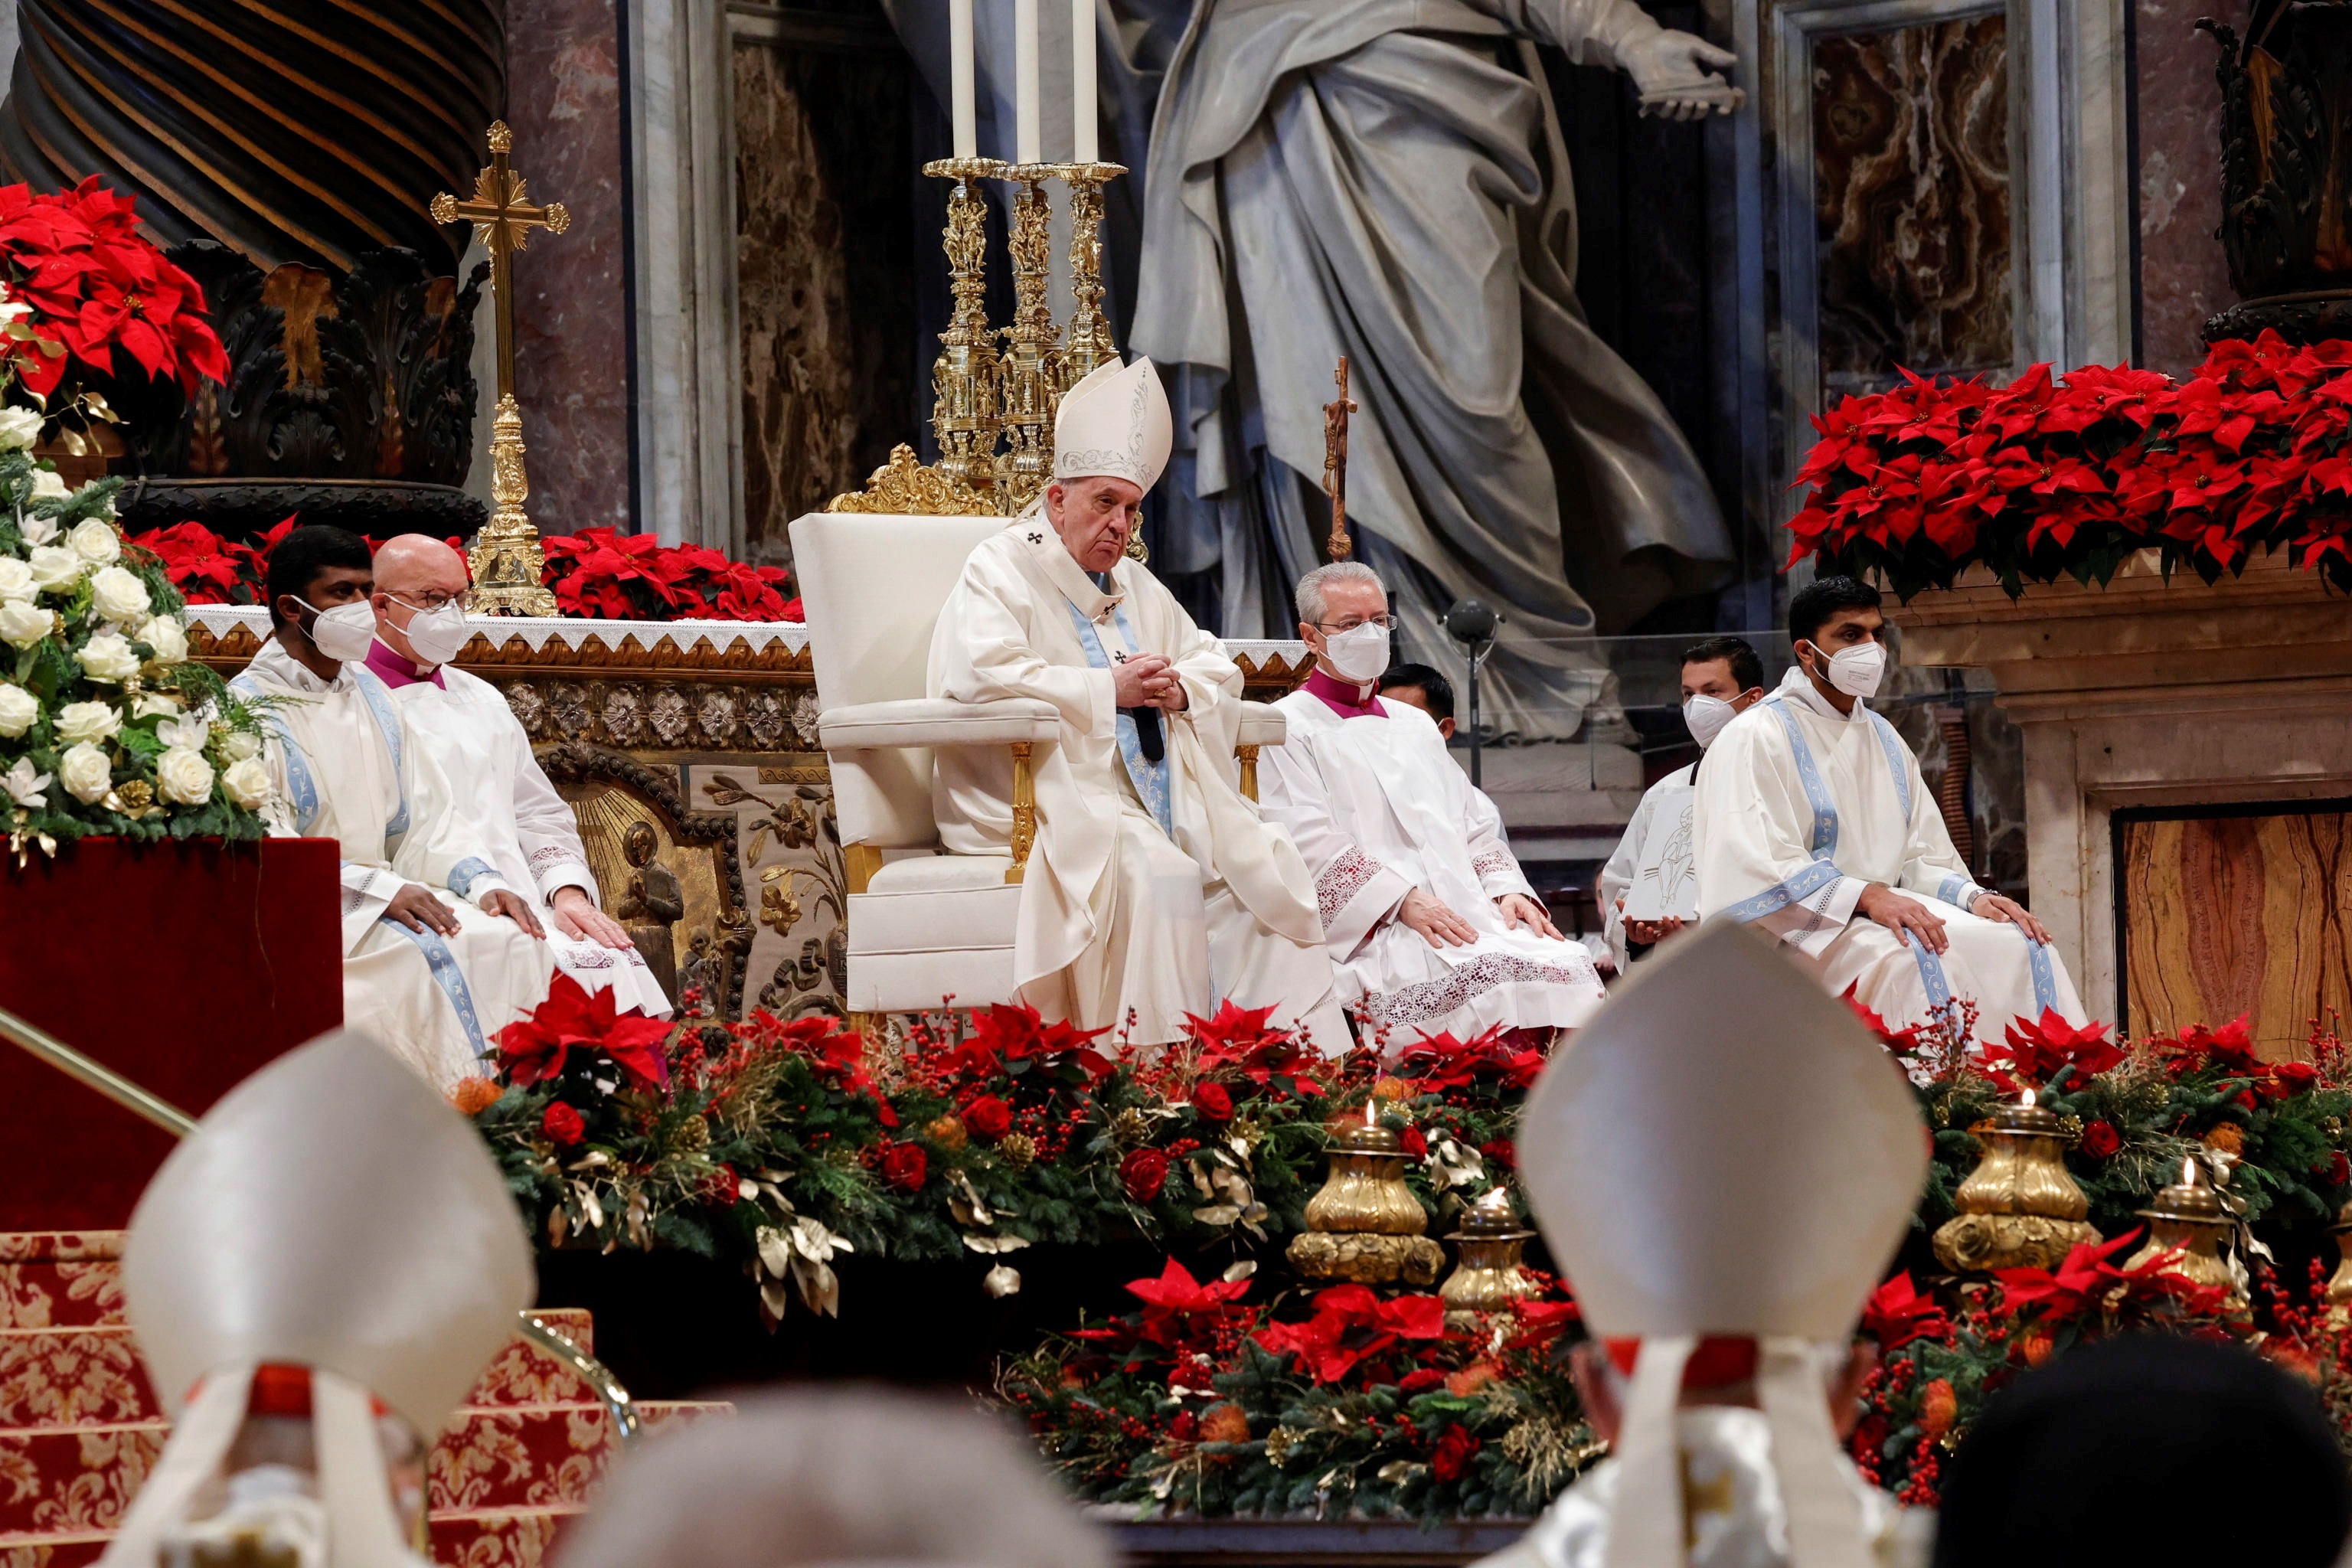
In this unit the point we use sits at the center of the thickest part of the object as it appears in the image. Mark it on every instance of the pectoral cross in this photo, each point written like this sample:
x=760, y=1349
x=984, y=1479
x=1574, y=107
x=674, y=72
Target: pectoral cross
x=502, y=221
x=505, y=557
x=1335, y=464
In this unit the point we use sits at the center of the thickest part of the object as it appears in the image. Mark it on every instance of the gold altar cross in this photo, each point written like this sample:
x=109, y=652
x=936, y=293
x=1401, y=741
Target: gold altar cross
x=1335, y=464
x=505, y=558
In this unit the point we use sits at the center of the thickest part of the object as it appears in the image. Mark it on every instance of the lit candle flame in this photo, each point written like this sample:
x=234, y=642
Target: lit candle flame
x=1372, y=1112
x=2188, y=1170
x=2028, y=1100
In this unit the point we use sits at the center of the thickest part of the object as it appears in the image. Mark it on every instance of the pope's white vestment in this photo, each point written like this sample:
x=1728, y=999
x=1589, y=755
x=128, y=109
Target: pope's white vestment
x=1378, y=808
x=1801, y=808
x=1645, y=851
x=503, y=801
x=1734, y=1514
x=346, y=766
x=1152, y=889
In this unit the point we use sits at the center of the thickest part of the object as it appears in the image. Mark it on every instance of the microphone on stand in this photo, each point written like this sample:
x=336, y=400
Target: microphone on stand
x=1472, y=623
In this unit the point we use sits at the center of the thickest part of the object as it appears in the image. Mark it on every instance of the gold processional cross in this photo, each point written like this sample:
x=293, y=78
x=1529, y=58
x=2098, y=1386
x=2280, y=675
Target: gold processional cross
x=1335, y=464
x=505, y=558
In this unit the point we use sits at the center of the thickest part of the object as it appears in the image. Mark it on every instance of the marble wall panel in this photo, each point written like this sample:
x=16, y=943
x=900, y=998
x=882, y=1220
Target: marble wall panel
x=1912, y=202
x=572, y=316
x=2183, y=278
x=826, y=277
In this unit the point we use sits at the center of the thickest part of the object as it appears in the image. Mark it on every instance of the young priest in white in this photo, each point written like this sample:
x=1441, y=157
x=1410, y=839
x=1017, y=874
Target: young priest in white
x=434, y=980
x=1722, y=678
x=1155, y=888
x=1723, y=1165
x=495, y=786
x=1424, y=908
x=1812, y=821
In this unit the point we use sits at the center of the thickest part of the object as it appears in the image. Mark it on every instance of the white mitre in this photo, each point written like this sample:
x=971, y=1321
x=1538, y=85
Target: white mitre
x=330, y=1212
x=1724, y=1150
x=1115, y=421
x=836, y=1476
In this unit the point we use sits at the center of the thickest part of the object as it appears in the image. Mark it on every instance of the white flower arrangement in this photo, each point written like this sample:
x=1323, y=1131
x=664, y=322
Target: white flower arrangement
x=105, y=725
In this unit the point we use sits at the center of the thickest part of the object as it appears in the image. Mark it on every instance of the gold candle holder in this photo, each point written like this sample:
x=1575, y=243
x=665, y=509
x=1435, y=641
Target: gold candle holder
x=964, y=377
x=2339, y=1284
x=2189, y=1214
x=1029, y=377
x=1486, y=1278
x=2020, y=1208
x=1088, y=345
x=1364, y=1225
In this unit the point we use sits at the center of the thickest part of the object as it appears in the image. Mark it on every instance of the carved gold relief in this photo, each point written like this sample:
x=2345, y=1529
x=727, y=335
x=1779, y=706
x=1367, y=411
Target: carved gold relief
x=904, y=487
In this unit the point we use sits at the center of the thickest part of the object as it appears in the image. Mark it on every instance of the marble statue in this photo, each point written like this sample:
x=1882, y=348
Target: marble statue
x=1386, y=179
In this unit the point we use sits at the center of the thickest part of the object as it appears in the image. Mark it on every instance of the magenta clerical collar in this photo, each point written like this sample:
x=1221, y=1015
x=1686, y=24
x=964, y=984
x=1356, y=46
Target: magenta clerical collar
x=1345, y=698
x=397, y=671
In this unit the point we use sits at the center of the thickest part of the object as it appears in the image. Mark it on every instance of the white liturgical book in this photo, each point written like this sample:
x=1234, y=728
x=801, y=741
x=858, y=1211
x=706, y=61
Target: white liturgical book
x=1667, y=881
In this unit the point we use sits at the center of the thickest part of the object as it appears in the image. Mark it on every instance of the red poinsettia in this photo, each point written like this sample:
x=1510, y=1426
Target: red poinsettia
x=2035, y=1052
x=1239, y=1038
x=603, y=571
x=1006, y=1039
x=1181, y=1314
x=1436, y=1063
x=1897, y=1313
x=2230, y=1048
x=2087, y=1280
x=95, y=285
x=1350, y=1325
x=573, y=1018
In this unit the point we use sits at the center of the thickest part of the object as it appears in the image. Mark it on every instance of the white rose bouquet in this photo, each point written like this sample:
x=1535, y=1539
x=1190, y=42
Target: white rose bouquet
x=105, y=725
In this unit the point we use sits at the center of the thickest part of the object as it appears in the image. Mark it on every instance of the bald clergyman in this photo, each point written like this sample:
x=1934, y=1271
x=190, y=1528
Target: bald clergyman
x=1155, y=888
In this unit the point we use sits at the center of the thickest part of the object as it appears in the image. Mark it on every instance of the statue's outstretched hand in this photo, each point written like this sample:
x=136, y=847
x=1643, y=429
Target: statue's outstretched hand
x=1674, y=72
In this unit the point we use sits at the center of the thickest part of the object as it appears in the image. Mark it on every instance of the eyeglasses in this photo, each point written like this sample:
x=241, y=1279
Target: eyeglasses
x=433, y=601
x=1386, y=624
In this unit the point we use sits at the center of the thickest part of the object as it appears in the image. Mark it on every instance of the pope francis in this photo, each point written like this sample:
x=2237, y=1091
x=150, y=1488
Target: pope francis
x=1154, y=890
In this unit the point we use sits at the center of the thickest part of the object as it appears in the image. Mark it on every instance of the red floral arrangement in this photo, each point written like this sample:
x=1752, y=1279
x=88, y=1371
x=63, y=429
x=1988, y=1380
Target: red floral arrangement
x=97, y=285
x=635, y=577
x=2047, y=477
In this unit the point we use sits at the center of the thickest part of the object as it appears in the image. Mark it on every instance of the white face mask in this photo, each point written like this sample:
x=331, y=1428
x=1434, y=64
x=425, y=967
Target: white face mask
x=437, y=636
x=1706, y=717
x=345, y=631
x=1858, y=670
x=1358, y=654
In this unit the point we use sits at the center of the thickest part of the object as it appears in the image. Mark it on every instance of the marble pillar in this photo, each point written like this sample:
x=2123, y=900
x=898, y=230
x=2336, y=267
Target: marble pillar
x=2183, y=278
x=571, y=317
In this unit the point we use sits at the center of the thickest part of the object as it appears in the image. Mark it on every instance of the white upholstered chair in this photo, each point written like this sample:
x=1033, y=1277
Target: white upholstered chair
x=923, y=924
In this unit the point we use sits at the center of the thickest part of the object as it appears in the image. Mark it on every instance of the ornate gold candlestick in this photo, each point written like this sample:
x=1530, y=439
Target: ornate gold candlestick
x=508, y=565
x=2019, y=1208
x=1365, y=1225
x=1486, y=1278
x=1029, y=383
x=2339, y=1284
x=963, y=378
x=2189, y=1214
x=1088, y=345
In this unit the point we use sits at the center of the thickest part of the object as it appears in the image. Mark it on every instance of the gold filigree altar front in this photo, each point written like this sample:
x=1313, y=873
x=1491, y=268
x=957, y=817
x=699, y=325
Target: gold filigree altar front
x=705, y=734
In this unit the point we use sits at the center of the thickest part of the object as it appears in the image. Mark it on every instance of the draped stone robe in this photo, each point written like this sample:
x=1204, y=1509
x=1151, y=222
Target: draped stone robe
x=498, y=793
x=1800, y=808
x=1155, y=889
x=346, y=766
x=1379, y=809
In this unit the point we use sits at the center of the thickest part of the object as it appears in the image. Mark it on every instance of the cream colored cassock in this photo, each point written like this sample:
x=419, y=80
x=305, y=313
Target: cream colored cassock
x=504, y=801
x=348, y=767
x=1378, y=808
x=1155, y=888
x=1799, y=808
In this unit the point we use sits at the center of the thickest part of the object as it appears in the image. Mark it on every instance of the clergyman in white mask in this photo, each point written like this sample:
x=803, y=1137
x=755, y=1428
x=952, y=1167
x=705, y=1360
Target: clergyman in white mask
x=1812, y=822
x=1649, y=888
x=1723, y=1164
x=439, y=952
x=496, y=786
x=1431, y=924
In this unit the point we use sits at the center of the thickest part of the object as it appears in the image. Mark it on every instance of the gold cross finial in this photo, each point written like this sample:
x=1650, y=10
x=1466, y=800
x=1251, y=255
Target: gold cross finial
x=505, y=558
x=1335, y=463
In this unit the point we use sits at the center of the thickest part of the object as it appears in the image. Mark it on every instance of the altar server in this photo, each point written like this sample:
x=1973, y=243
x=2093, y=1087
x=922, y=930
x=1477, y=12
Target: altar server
x=495, y=786
x=836, y=1476
x=316, y=1278
x=1812, y=821
x=1155, y=889
x=1723, y=1162
x=433, y=981
x=1425, y=911
x=1722, y=678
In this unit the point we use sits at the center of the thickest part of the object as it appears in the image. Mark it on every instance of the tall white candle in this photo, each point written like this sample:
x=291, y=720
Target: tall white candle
x=1083, y=113
x=964, y=109
x=1027, y=141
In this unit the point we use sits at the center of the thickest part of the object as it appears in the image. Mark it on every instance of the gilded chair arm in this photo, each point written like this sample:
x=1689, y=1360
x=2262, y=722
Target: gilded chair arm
x=1262, y=724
